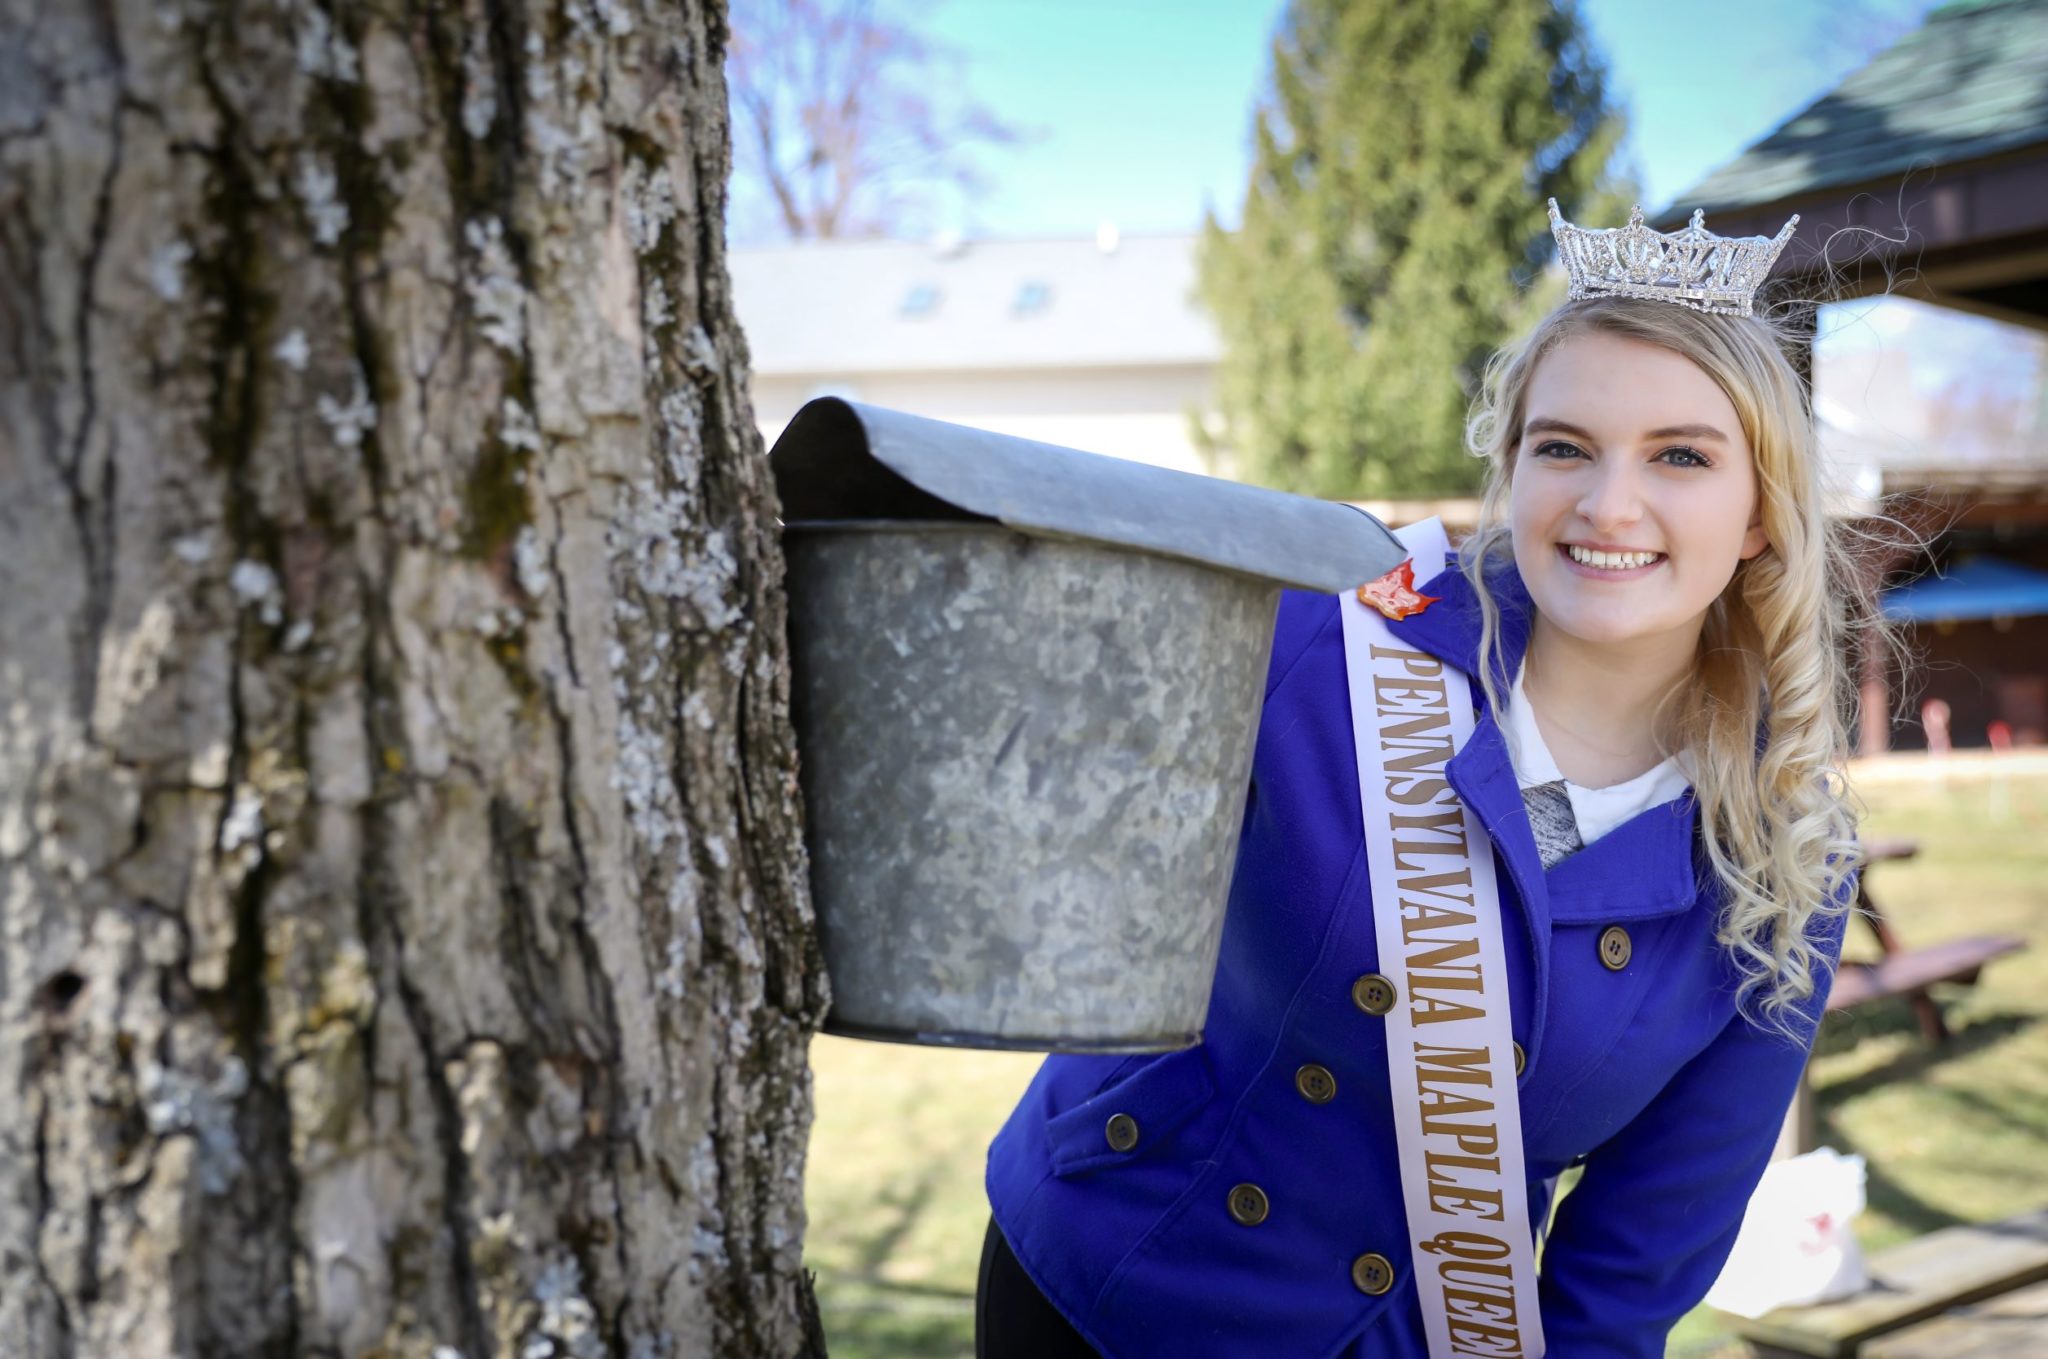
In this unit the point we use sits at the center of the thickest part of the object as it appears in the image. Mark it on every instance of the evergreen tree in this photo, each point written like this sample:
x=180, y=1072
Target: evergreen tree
x=1394, y=233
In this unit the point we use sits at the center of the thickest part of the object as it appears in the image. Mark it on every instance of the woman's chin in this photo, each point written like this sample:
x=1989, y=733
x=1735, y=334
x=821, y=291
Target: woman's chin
x=1603, y=627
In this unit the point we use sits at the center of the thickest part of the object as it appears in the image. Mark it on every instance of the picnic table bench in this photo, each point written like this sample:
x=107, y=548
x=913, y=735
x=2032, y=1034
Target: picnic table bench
x=2010, y=1326
x=1909, y=1312
x=1901, y=971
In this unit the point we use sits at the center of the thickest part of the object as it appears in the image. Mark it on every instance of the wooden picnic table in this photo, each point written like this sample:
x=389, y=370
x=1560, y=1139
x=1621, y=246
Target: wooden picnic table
x=1898, y=971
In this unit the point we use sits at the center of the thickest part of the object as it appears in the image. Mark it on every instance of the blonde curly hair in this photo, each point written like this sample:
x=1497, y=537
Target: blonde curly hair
x=1764, y=721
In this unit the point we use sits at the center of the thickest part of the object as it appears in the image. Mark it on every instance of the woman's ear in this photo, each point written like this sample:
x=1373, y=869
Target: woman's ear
x=1755, y=540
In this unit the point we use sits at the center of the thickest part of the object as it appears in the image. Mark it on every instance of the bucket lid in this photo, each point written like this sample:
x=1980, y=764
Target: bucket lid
x=842, y=460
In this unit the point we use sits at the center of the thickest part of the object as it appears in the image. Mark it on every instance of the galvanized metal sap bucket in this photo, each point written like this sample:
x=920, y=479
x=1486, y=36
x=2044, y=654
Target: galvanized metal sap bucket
x=1027, y=683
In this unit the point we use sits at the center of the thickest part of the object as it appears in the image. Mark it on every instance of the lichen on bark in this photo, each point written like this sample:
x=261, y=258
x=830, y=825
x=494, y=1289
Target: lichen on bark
x=404, y=943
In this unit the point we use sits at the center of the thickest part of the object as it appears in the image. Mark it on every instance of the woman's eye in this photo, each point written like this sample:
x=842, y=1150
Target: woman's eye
x=1558, y=449
x=1685, y=457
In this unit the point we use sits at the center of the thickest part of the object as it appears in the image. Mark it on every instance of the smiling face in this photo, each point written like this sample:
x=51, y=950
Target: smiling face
x=1634, y=493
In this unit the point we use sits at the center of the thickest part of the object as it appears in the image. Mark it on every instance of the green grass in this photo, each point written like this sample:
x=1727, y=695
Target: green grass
x=1956, y=1135
x=894, y=1191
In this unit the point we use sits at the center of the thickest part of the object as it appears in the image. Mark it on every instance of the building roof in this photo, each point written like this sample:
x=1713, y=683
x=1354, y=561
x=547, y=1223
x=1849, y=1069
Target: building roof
x=845, y=307
x=1971, y=82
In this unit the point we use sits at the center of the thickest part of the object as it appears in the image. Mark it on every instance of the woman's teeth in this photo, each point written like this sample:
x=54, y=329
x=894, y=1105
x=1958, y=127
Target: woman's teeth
x=1612, y=561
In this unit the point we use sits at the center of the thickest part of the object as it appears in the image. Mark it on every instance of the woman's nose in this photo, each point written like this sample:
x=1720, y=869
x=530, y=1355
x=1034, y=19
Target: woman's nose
x=1612, y=497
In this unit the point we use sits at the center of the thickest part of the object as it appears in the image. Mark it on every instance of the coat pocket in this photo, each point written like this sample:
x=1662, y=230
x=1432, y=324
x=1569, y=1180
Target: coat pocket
x=1131, y=1115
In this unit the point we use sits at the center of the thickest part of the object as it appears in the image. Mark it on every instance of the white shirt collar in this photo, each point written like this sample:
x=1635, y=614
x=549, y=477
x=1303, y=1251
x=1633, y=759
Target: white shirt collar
x=1597, y=810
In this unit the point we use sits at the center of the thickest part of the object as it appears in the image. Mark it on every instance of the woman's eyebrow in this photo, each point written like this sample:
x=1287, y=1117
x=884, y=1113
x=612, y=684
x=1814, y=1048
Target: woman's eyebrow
x=1543, y=423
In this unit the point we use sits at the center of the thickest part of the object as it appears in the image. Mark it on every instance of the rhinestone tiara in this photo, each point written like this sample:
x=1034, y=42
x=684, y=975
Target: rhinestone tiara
x=1692, y=267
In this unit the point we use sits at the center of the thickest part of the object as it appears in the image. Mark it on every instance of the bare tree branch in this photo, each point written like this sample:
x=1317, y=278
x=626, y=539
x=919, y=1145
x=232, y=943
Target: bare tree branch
x=849, y=120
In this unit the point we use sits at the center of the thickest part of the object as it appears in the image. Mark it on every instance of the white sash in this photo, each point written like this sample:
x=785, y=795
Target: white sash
x=1450, y=1048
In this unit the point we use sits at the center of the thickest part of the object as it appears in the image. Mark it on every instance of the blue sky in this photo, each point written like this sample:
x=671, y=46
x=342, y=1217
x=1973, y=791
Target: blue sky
x=1142, y=108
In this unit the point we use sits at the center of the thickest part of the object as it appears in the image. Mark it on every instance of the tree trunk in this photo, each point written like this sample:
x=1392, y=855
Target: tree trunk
x=404, y=941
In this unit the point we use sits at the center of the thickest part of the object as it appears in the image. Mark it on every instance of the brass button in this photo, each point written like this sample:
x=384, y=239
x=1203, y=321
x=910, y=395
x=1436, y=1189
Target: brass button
x=1614, y=948
x=1373, y=994
x=1373, y=1273
x=1316, y=1084
x=1248, y=1205
x=1521, y=1059
x=1122, y=1132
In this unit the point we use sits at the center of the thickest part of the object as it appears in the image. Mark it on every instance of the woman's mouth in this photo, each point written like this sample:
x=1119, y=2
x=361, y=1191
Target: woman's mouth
x=1607, y=565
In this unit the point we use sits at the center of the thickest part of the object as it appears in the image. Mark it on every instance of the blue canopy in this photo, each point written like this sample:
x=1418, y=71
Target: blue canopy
x=1978, y=587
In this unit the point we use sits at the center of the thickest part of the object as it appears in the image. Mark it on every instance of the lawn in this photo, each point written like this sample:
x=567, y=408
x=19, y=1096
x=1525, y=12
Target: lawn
x=1958, y=1135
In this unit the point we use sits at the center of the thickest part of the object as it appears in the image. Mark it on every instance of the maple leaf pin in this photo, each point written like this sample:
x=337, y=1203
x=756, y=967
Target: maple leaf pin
x=1394, y=594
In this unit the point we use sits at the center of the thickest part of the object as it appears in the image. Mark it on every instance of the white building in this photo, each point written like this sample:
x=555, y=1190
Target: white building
x=1094, y=344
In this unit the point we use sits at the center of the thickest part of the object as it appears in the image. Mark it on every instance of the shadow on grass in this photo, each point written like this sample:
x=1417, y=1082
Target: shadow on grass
x=1893, y=1017
x=2022, y=1116
x=895, y=1333
x=1883, y=1193
x=1877, y=1019
x=1896, y=1016
x=869, y=1283
x=868, y=1316
x=905, y=1201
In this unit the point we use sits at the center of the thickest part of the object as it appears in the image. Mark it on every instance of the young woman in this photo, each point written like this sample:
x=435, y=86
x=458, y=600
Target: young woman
x=1656, y=615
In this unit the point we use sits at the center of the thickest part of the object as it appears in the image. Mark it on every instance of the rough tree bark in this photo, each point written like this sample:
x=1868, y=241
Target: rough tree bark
x=404, y=942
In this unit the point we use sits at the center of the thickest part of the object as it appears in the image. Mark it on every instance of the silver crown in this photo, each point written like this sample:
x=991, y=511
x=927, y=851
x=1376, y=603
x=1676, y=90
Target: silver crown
x=1692, y=267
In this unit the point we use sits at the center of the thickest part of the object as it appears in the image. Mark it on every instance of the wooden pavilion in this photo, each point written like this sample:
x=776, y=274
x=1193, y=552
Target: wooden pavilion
x=1925, y=175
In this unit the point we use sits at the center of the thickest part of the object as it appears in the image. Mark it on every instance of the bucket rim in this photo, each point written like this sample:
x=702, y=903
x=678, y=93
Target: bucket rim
x=901, y=526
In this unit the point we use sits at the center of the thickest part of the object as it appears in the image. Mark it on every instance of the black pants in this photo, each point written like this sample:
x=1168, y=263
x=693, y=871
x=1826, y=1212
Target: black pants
x=1012, y=1319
